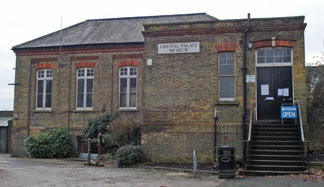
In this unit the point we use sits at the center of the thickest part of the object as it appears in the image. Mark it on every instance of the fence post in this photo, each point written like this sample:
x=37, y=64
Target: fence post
x=194, y=163
x=89, y=152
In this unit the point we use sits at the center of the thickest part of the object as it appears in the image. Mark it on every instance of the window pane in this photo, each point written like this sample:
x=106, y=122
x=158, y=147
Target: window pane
x=89, y=85
x=287, y=52
x=40, y=73
x=226, y=87
x=269, y=52
x=48, y=86
x=269, y=59
x=226, y=69
x=261, y=59
x=40, y=86
x=89, y=72
x=222, y=60
x=132, y=100
x=222, y=56
x=80, y=100
x=89, y=100
x=287, y=59
x=278, y=59
x=49, y=73
x=133, y=71
x=80, y=93
x=278, y=52
x=229, y=55
x=122, y=102
x=80, y=85
x=48, y=101
x=133, y=85
x=230, y=61
x=123, y=85
x=261, y=53
x=80, y=72
x=40, y=100
x=123, y=71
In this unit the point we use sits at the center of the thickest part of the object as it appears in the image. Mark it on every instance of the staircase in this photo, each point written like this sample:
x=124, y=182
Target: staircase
x=275, y=149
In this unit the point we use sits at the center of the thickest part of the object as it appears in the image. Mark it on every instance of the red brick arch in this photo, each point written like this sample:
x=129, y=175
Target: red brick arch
x=278, y=43
x=44, y=65
x=128, y=63
x=85, y=65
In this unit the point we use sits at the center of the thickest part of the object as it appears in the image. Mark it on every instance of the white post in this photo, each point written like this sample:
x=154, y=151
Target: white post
x=194, y=163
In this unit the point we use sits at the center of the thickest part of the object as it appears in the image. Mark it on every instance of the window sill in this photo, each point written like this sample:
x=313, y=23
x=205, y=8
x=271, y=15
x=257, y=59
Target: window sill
x=42, y=111
x=235, y=103
x=83, y=110
x=128, y=110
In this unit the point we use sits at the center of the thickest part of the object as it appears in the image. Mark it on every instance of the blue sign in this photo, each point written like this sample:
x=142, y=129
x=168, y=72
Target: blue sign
x=288, y=112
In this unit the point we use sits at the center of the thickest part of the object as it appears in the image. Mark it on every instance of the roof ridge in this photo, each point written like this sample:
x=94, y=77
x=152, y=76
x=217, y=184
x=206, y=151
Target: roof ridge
x=156, y=16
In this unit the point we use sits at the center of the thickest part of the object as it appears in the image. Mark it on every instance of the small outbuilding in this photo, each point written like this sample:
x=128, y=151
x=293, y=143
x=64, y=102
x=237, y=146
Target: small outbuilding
x=5, y=129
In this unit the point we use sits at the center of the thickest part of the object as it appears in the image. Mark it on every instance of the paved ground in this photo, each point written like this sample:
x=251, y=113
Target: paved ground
x=16, y=172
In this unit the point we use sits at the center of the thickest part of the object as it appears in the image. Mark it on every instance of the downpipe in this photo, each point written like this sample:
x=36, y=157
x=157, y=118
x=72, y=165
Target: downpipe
x=244, y=69
x=215, y=128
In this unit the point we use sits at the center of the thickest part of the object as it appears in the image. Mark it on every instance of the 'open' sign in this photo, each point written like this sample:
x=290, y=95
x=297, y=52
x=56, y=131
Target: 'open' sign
x=288, y=112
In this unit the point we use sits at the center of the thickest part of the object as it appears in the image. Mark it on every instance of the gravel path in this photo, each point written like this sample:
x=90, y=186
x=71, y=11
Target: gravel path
x=16, y=172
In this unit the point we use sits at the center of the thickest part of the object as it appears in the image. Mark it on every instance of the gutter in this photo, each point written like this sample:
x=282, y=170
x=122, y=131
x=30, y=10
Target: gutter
x=244, y=69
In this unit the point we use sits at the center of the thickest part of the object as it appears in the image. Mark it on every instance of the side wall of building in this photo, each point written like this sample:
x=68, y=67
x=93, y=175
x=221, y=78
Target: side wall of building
x=31, y=121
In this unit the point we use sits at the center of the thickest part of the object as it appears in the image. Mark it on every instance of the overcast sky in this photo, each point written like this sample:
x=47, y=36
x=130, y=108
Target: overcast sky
x=24, y=20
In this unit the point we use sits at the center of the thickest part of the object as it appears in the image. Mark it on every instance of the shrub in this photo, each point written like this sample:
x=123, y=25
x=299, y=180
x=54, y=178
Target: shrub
x=55, y=144
x=59, y=141
x=99, y=124
x=122, y=132
x=129, y=155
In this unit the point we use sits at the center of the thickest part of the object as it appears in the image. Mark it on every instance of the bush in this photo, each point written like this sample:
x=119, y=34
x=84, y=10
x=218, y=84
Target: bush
x=55, y=144
x=129, y=155
x=99, y=124
x=119, y=133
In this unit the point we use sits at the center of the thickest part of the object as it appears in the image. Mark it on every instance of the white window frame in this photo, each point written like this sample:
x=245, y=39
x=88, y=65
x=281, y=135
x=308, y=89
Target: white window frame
x=128, y=77
x=274, y=63
x=85, y=77
x=47, y=74
x=232, y=75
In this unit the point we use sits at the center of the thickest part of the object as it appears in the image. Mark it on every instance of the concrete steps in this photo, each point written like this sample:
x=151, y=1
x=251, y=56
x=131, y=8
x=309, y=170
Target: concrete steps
x=275, y=150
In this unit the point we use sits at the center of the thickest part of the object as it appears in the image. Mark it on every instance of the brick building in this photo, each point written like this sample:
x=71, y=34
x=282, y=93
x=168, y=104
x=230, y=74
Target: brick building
x=167, y=73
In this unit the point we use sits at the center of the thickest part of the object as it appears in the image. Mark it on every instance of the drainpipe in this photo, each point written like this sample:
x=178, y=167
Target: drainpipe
x=215, y=120
x=70, y=86
x=29, y=98
x=244, y=69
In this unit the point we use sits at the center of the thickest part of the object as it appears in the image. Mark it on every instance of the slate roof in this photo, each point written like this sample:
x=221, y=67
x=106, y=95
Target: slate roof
x=4, y=121
x=109, y=31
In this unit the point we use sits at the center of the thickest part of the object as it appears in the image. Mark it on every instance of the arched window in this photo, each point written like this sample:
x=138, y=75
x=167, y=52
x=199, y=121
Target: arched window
x=127, y=87
x=44, y=89
x=84, y=99
x=277, y=55
x=226, y=74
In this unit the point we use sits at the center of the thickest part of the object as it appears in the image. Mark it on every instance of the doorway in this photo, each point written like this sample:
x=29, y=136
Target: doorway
x=274, y=87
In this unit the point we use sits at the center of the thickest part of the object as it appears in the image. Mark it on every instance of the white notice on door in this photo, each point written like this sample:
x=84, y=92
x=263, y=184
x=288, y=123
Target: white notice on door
x=280, y=92
x=264, y=89
x=286, y=92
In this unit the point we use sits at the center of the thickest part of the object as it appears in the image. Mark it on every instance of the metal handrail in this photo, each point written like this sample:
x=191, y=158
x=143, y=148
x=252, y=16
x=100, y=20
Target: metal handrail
x=302, y=138
x=248, y=141
x=301, y=124
x=251, y=122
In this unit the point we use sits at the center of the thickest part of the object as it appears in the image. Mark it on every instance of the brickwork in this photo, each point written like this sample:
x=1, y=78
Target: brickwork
x=64, y=113
x=182, y=89
x=176, y=95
